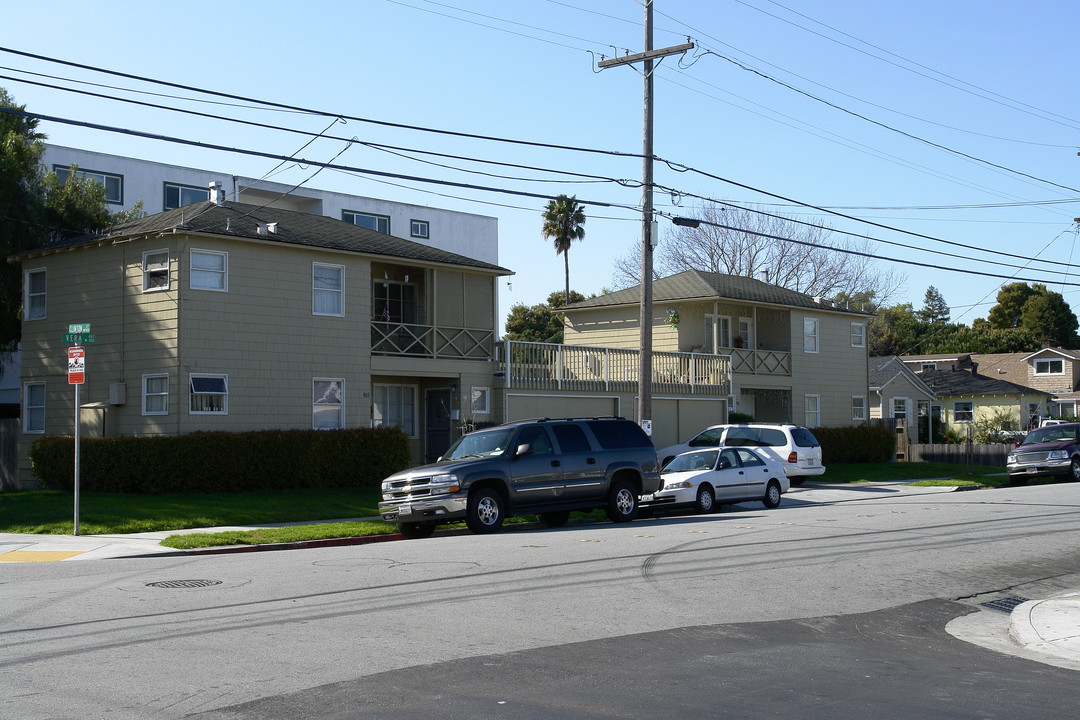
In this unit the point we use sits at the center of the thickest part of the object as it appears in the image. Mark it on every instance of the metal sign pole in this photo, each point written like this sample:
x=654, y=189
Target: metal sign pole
x=77, y=458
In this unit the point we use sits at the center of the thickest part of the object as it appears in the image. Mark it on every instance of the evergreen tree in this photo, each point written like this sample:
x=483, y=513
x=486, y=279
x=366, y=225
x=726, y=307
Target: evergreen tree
x=934, y=309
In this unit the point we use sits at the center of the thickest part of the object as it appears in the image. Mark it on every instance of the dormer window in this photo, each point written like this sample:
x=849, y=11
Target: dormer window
x=1050, y=366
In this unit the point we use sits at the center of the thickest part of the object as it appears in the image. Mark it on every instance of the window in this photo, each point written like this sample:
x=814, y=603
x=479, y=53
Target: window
x=114, y=184
x=571, y=438
x=395, y=405
x=963, y=412
x=395, y=302
x=745, y=337
x=858, y=407
x=328, y=289
x=481, y=400
x=717, y=332
x=327, y=403
x=181, y=195
x=378, y=223
x=34, y=301
x=813, y=411
x=935, y=413
x=155, y=394
x=155, y=269
x=34, y=407
x=810, y=334
x=209, y=270
x=927, y=367
x=420, y=229
x=858, y=335
x=1055, y=366
x=209, y=394
x=900, y=408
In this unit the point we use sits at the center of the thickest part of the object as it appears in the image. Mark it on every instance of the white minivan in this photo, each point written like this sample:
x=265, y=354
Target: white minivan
x=794, y=447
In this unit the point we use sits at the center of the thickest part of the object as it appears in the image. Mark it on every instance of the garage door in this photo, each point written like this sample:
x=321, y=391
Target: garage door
x=677, y=420
x=522, y=407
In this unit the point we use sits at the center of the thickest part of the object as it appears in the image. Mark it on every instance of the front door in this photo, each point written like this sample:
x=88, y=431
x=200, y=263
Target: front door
x=437, y=424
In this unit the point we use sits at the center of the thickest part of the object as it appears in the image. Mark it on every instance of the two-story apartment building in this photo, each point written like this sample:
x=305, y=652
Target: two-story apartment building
x=790, y=357
x=228, y=316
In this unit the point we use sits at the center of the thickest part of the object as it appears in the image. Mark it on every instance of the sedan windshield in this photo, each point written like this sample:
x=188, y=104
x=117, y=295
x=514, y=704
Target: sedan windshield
x=692, y=461
x=480, y=444
x=1053, y=433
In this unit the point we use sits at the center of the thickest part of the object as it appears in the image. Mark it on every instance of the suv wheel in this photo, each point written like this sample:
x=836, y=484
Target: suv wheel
x=486, y=511
x=416, y=530
x=1074, y=470
x=622, y=502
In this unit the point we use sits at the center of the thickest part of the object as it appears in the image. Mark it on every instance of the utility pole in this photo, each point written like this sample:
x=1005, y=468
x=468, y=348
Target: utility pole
x=644, y=401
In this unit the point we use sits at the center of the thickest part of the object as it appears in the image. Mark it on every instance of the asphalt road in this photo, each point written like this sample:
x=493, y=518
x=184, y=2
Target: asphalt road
x=812, y=611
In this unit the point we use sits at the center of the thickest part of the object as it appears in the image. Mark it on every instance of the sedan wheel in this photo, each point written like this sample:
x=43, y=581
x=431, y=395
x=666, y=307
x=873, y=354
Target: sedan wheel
x=772, y=495
x=706, y=500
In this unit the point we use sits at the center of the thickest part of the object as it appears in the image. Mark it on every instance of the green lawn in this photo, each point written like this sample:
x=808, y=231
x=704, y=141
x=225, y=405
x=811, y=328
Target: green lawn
x=46, y=512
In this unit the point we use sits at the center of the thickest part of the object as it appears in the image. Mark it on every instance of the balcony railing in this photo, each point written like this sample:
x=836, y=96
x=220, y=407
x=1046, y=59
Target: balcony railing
x=390, y=338
x=761, y=362
x=546, y=366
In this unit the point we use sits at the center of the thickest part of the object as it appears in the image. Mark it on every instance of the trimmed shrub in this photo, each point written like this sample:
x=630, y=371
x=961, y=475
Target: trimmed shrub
x=856, y=444
x=223, y=462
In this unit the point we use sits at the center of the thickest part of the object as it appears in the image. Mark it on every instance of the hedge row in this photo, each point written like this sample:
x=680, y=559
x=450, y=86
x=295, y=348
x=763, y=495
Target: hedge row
x=222, y=461
x=856, y=444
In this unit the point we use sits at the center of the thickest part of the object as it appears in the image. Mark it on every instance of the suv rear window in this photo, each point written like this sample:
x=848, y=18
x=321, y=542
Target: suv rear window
x=803, y=437
x=571, y=438
x=618, y=434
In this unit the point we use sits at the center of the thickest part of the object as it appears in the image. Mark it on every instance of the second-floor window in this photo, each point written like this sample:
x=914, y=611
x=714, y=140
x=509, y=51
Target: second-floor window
x=379, y=223
x=113, y=183
x=209, y=270
x=810, y=335
x=858, y=335
x=34, y=300
x=419, y=229
x=395, y=302
x=180, y=195
x=328, y=289
x=1055, y=366
x=717, y=332
x=155, y=270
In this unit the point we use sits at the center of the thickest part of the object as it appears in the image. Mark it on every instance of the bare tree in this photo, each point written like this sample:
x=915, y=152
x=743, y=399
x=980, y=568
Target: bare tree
x=812, y=265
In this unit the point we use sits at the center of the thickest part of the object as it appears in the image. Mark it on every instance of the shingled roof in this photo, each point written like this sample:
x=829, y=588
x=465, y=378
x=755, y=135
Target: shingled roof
x=964, y=382
x=699, y=285
x=239, y=220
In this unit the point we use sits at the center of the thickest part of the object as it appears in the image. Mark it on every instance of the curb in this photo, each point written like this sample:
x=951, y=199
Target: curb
x=269, y=547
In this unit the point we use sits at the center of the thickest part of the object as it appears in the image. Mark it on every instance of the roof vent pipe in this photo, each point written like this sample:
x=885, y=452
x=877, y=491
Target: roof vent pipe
x=763, y=275
x=217, y=195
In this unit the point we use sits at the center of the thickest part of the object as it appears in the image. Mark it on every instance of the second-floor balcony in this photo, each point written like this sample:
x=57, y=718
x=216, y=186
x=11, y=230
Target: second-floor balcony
x=431, y=341
x=546, y=366
x=761, y=362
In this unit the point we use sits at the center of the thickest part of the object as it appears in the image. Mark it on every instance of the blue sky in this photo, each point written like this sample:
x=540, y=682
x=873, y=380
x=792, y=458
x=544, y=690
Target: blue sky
x=969, y=134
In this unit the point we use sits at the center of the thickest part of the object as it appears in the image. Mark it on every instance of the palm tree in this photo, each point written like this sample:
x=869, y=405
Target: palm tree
x=564, y=220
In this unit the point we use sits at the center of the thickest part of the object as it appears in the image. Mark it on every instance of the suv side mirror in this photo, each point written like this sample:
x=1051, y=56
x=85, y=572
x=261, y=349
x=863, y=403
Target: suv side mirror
x=523, y=449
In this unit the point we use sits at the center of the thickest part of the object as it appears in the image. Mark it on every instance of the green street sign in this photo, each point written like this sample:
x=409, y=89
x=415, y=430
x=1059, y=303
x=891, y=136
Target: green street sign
x=75, y=338
x=81, y=328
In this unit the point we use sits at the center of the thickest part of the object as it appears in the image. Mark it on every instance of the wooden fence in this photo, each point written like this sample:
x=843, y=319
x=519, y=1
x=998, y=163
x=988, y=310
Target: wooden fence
x=963, y=454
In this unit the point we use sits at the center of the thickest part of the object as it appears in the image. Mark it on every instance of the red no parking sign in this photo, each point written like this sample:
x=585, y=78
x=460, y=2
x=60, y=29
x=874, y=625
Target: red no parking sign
x=76, y=366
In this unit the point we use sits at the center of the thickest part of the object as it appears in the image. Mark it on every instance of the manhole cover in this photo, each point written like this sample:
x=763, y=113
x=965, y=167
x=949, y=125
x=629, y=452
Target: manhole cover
x=172, y=584
x=1005, y=604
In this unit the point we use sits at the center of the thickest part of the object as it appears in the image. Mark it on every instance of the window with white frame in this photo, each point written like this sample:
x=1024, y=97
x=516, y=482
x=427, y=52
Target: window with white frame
x=963, y=412
x=328, y=289
x=209, y=394
x=810, y=335
x=394, y=406
x=858, y=407
x=927, y=367
x=717, y=332
x=155, y=394
x=481, y=400
x=209, y=270
x=113, y=183
x=420, y=229
x=327, y=403
x=745, y=337
x=34, y=300
x=900, y=408
x=1050, y=366
x=177, y=195
x=33, y=410
x=155, y=270
x=813, y=411
x=858, y=335
x=379, y=223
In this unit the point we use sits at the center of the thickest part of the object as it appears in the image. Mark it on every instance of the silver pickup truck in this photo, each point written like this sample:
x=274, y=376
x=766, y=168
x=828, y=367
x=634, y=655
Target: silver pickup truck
x=548, y=467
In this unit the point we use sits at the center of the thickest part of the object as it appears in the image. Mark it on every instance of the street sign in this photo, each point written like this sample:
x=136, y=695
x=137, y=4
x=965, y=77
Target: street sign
x=79, y=328
x=78, y=338
x=76, y=366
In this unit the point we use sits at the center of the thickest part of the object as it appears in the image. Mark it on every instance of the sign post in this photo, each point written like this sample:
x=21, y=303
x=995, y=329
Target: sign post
x=77, y=376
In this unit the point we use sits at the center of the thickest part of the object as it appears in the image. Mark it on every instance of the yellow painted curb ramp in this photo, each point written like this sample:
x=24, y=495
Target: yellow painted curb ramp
x=38, y=555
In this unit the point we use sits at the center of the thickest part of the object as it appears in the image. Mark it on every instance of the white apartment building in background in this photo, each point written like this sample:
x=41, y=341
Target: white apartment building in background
x=165, y=187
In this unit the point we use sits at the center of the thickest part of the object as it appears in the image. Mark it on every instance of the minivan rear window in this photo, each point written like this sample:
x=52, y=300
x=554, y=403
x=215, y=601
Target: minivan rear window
x=803, y=437
x=618, y=434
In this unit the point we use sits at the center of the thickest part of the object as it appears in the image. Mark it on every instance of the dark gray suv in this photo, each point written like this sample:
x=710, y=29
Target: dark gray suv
x=547, y=467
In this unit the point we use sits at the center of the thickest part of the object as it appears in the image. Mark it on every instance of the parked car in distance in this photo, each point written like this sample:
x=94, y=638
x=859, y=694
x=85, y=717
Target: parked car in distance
x=794, y=447
x=706, y=479
x=548, y=467
x=1045, y=451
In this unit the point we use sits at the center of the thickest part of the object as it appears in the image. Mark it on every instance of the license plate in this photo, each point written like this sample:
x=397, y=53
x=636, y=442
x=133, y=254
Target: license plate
x=646, y=498
x=404, y=510
x=1031, y=471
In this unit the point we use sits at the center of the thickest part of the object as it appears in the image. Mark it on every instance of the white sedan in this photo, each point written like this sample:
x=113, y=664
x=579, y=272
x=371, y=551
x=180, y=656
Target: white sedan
x=705, y=479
